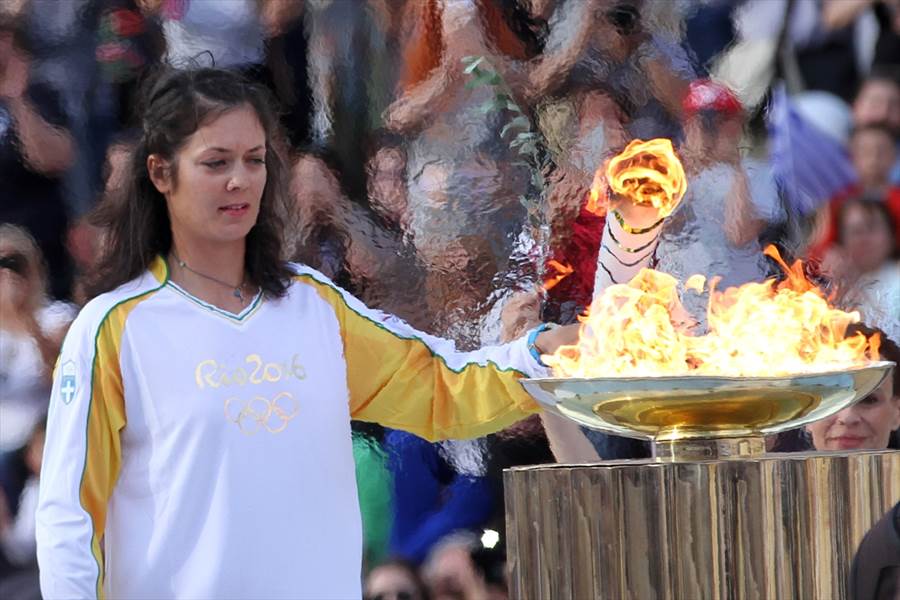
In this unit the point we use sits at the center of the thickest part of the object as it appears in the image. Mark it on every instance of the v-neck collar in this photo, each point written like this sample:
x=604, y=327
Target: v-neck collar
x=160, y=270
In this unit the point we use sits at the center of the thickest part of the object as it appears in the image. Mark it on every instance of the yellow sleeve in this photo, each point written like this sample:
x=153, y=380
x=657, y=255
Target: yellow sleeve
x=408, y=380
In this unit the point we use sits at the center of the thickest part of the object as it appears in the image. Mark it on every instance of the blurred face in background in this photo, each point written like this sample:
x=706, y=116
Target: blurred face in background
x=391, y=582
x=867, y=425
x=878, y=103
x=873, y=152
x=21, y=272
x=450, y=574
x=866, y=237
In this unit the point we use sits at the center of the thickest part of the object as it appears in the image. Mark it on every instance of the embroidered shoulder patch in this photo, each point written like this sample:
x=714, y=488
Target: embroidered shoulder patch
x=68, y=383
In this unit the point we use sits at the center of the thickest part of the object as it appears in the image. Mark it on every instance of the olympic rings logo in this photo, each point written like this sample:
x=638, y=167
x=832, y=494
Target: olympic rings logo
x=259, y=413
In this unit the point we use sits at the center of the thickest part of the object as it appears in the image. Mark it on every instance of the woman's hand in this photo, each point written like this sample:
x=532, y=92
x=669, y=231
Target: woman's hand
x=520, y=313
x=548, y=341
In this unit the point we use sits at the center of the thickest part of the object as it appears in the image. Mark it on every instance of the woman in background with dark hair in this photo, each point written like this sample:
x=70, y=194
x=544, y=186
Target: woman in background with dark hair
x=873, y=422
x=199, y=426
x=864, y=262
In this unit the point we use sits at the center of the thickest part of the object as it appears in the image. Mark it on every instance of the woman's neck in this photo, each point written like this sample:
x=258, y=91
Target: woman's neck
x=214, y=272
x=224, y=262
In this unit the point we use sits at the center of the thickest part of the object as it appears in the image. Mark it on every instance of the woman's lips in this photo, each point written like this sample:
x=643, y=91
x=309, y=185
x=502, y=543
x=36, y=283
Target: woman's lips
x=235, y=210
x=847, y=442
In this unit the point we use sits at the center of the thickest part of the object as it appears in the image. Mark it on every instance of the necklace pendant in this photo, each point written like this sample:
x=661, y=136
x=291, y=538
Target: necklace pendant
x=238, y=294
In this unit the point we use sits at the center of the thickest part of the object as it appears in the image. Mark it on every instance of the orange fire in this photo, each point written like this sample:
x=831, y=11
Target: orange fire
x=758, y=329
x=647, y=173
x=561, y=272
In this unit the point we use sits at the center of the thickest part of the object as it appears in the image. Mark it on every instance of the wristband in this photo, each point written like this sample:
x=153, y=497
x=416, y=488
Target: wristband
x=532, y=339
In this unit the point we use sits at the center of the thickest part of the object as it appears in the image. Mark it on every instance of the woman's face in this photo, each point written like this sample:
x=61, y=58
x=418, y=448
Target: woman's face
x=390, y=582
x=221, y=175
x=873, y=154
x=18, y=270
x=866, y=238
x=878, y=102
x=866, y=425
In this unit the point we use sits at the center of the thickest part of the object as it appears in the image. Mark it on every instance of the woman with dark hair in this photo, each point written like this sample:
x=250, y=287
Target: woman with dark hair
x=198, y=441
x=864, y=262
x=873, y=422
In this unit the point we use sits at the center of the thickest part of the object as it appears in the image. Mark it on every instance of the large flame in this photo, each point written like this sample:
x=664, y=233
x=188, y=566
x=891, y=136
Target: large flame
x=759, y=329
x=647, y=173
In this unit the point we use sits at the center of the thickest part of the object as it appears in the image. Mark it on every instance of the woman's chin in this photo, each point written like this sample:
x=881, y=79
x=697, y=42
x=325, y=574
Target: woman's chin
x=233, y=232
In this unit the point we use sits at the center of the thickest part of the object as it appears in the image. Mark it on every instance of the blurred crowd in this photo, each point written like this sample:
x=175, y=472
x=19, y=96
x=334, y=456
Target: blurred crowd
x=415, y=176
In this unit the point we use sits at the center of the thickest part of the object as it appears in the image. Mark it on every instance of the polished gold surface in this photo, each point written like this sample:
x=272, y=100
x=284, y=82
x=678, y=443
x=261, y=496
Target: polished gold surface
x=709, y=449
x=701, y=407
x=779, y=526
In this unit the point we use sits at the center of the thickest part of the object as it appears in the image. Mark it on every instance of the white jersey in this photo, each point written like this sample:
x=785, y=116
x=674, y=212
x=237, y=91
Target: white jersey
x=192, y=453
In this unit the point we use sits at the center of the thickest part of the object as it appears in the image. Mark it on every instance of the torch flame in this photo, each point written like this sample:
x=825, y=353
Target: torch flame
x=648, y=173
x=645, y=172
x=757, y=329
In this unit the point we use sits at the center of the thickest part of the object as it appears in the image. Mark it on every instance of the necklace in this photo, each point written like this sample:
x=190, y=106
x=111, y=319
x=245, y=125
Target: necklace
x=237, y=292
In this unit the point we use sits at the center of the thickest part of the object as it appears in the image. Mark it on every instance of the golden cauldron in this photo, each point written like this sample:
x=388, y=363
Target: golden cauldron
x=711, y=515
x=693, y=417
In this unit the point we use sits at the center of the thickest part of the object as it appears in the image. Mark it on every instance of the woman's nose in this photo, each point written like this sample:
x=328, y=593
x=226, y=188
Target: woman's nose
x=848, y=416
x=235, y=182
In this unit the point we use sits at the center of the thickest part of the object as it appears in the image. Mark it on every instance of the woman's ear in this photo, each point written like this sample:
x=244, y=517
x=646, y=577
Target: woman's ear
x=160, y=173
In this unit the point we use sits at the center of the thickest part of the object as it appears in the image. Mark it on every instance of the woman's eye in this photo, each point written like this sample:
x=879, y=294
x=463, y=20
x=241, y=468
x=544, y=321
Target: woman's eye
x=870, y=399
x=258, y=161
x=214, y=164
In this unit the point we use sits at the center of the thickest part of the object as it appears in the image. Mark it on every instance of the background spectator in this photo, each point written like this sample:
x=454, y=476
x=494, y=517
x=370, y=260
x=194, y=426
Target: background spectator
x=31, y=331
x=865, y=262
x=36, y=150
x=431, y=499
x=394, y=580
x=870, y=424
x=18, y=547
x=457, y=570
x=873, y=149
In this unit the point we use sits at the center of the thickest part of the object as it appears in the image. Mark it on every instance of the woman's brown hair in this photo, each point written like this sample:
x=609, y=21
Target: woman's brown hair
x=135, y=218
